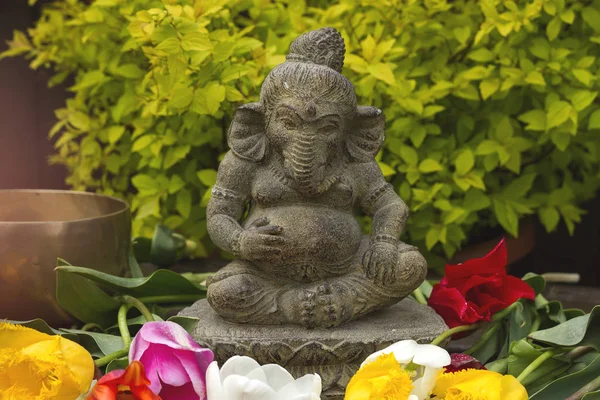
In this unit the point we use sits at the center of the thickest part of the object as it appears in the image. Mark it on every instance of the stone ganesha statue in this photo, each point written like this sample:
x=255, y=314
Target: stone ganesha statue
x=301, y=164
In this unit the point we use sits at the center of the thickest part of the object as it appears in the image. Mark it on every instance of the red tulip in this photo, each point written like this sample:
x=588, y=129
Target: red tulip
x=130, y=383
x=477, y=289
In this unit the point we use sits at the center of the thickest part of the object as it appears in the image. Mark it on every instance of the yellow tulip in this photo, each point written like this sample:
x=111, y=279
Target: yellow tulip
x=473, y=384
x=37, y=366
x=381, y=379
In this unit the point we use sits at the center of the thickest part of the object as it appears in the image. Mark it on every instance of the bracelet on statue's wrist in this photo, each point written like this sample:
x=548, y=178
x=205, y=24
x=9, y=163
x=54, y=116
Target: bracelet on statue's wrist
x=383, y=238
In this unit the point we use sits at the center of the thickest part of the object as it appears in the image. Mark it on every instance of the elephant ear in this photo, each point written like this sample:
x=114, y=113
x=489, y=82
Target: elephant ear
x=366, y=134
x=246, y=137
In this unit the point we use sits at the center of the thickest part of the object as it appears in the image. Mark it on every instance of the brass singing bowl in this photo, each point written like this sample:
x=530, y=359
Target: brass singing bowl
x=39, y=226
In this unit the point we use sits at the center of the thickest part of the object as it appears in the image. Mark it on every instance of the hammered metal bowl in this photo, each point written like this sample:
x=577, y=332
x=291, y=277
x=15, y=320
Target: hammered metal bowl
x=37, y=227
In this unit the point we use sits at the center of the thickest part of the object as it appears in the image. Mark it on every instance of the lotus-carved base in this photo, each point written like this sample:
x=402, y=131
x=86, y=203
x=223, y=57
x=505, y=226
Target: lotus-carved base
x=335, y=354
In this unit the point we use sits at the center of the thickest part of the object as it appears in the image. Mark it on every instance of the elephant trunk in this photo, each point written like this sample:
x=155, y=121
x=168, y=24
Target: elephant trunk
x=306, y=162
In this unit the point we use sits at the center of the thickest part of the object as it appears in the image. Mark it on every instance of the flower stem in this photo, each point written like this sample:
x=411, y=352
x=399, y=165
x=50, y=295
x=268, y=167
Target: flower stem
x=180, y=298
x=535, y=364
x=589, y=387
x=122, y=323
x=133, y=302
x=419, y=296
x=578, y=352
x=101, y=362
x=453, y=331
x=484, y=338
x=504, y=313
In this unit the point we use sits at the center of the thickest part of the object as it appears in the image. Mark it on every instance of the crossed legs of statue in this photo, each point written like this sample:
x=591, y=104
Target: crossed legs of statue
x=242, y=293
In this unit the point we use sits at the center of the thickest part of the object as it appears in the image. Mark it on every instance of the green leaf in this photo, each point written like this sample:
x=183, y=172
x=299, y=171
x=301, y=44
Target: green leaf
x=145, y=184
x=549, y=217
x=535, y=78
x=208, y=177
x=196, y=41
x=207, y=100
x=535, y=120
x=594, y=122
x=428, y=165
x=89, y=79
x=584, y=76
x=475, y=73
x=561, y=140
x=83, y=299
x=507, y=217
x=386, y=170
x=143, y=142
x=579, y=331
x=465, y=162
x=476, y=200
x=591, y=16
x=383, y=72
x=181, y=97
x=115, y=133
x=487, y=147
x=557, y=114
x=537, y=282
x=183, y=203
x=566, y=385
x=130, y=71
x=161, y=283
x=488, y=87
x=519, y=187
x=553, y=28
x=98, y=344
x=582, y=99
x=79, y=120
x=409, y=155
x=481, y=54
x=175, y=155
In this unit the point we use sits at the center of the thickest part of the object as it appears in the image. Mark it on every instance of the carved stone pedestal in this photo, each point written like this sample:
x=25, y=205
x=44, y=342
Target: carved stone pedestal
x=335, y=354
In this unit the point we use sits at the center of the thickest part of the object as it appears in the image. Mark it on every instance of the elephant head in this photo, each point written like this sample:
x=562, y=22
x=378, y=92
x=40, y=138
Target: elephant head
x=310, y=140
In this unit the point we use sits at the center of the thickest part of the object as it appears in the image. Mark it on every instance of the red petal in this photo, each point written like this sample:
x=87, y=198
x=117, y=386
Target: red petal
x=492, y=263
x=112, y=378
x=135, y=375
x=513, y=289
x=476, y=281
x=102, y=392
x=144, y=393
x=451, y=305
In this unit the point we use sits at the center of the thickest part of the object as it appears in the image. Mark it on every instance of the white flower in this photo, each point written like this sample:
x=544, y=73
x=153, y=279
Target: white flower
x=426, y=360
x=242, y=378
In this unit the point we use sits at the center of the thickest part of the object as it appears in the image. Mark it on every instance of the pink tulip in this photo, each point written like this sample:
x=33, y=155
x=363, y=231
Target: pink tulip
x=175, y=364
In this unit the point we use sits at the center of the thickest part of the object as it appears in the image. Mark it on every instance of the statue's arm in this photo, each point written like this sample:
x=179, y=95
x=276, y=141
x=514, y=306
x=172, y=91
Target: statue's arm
x=379, y=201
x=228, y=201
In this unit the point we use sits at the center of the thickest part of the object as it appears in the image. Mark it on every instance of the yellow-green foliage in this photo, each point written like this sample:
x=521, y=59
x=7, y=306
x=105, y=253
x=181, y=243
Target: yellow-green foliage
x=491, y=105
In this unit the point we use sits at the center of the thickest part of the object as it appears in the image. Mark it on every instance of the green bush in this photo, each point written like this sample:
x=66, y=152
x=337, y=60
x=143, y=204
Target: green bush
x=491, y=105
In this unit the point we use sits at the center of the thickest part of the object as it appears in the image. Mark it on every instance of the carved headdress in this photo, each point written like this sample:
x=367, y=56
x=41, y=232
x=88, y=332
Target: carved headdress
x=312, y=71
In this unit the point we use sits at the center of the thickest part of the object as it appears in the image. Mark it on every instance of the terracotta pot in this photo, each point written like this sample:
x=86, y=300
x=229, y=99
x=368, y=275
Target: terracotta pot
x=517, y=247
x=37, y=227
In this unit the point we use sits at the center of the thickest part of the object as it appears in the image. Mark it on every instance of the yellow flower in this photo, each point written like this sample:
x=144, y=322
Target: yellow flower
x=37, y=366
x=473, y=384
x=382, y=379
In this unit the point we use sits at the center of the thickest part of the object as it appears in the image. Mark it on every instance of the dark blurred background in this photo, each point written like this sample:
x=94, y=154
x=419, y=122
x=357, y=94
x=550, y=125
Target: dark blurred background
x=26, y=116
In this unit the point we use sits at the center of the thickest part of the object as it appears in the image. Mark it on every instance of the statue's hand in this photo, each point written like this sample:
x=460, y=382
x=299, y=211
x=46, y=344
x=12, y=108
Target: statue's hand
x=260, y=242
x=380, y=262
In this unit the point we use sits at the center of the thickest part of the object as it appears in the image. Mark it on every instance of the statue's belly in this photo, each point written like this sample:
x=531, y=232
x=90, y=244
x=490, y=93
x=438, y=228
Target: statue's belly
x=320, y=241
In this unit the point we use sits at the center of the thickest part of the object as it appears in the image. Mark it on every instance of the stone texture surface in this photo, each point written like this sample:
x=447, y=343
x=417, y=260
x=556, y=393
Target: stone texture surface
x=335, y=354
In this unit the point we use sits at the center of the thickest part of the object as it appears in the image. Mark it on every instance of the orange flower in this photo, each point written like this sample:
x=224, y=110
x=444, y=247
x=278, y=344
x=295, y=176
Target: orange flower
x=131, y=382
